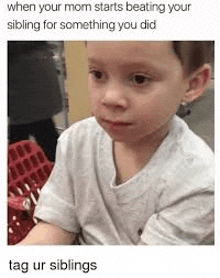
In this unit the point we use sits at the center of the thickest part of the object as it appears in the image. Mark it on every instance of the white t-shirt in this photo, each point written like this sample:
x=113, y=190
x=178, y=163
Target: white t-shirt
x=169, y=202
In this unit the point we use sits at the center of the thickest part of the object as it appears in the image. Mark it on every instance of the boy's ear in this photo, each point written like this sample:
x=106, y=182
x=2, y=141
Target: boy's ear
x=197, y=83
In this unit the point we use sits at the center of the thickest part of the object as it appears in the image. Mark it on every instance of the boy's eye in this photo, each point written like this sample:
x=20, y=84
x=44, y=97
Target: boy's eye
x=97, y=74
x=140, y=79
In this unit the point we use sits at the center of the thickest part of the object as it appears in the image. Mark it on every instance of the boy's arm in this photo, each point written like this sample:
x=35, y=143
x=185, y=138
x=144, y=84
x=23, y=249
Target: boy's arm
x=48, y=234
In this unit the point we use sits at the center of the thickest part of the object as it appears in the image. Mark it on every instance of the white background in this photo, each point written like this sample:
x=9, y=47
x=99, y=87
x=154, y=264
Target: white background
x=201, y=23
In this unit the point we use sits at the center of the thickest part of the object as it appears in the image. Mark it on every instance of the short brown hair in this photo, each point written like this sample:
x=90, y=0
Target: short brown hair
x=193, y=54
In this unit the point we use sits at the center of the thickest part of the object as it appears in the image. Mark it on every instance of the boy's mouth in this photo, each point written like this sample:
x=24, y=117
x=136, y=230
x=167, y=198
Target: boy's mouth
x=116, y=123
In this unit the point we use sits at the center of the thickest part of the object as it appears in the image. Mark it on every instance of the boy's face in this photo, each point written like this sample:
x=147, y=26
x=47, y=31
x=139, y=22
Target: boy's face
x=135, y=88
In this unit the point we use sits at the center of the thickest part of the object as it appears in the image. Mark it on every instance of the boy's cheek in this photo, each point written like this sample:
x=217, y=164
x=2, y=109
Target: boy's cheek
x=95, y=102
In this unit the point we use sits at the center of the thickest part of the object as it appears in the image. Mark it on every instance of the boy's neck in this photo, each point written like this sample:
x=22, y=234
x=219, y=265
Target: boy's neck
x=149, y=143
x=131, y=157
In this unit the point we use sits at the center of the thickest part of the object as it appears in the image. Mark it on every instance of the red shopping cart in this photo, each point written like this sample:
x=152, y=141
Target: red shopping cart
x=28, y=170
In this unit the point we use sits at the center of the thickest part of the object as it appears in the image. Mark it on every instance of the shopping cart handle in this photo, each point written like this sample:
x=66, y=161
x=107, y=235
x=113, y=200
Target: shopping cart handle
x=20, y=203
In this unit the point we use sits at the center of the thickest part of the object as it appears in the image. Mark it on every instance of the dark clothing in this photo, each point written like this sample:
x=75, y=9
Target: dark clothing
x=43, y=131
x=33, y=88
x=33, y=94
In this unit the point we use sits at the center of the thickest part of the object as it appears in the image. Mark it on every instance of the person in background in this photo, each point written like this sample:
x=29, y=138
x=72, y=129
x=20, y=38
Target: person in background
x=33, y=94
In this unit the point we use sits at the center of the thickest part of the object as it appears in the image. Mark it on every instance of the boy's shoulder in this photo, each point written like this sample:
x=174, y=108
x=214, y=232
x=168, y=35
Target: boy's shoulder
x=188, y=156
x=189, y=143
x=187, y=165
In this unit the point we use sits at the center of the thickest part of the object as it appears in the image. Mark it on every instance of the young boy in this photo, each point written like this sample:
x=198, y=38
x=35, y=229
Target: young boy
x=134, y=173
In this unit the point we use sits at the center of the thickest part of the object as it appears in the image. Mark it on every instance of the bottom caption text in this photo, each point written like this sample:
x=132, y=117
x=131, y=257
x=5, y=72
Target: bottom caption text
x=56, y=265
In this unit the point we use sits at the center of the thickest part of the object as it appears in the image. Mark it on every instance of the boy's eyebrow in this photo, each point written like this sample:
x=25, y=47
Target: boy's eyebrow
x=130, y=64
x=124, y=64
x=92, y=60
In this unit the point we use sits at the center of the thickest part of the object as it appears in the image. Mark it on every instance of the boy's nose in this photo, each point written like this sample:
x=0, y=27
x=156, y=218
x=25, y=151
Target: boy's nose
x=114, y=97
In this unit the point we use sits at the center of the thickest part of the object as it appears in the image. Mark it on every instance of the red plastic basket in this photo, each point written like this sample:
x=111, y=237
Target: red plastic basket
x=28, y=170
